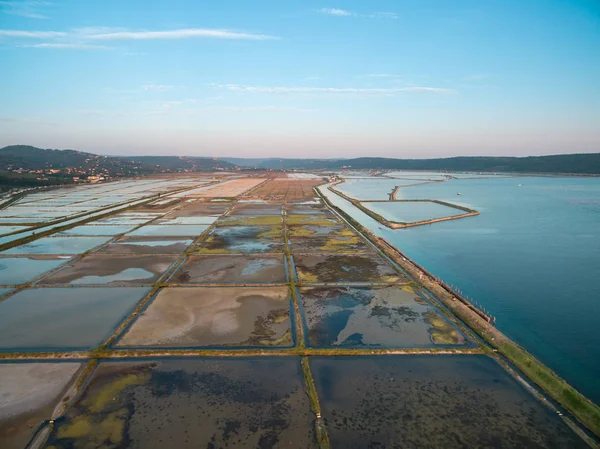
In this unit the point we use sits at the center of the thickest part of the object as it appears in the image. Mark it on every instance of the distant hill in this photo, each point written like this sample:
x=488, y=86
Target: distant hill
x=565, y=163
x=32, y=158
x=27, y=166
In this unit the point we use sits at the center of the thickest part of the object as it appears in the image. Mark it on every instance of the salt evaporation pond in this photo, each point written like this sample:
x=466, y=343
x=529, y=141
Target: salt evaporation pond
x=191, y=403
x=58, y=245
x=18, y=270
x=451, y=401
x=64, y=318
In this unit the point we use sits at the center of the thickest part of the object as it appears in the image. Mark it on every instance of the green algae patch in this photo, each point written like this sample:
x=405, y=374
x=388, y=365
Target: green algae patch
x=265, y=220
x=329, y=244
x=191, y=403
x=310, y=220
x=341, y=244
x=306, y=276
x=301, y=231
x=441, y=332
x=345, y=268
x=338, y=230
x=242, y=239
x=99, y=401
x=409, y=288
x=100, y=418
x=271, y=233
x=285, y=340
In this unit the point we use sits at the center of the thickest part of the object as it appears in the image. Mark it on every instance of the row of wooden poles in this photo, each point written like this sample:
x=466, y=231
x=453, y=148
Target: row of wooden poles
x=477, y=305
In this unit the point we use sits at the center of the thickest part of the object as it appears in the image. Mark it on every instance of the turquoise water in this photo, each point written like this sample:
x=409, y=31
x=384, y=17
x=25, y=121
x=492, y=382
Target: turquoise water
x=532, y=258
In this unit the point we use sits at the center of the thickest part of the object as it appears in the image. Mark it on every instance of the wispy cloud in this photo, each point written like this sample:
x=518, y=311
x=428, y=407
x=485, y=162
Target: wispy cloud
x=178, y=34
x=32, y=34
x=25, y=8
x=87, y=38
x=345, y=13
x=67, y=46
x=332, y=90
x=335, y=12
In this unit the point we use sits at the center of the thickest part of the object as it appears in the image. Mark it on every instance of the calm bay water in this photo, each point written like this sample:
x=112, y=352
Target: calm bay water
x=532, y=258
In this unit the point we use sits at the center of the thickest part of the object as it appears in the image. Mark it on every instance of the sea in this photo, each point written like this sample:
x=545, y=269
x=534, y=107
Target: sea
x=531, y=258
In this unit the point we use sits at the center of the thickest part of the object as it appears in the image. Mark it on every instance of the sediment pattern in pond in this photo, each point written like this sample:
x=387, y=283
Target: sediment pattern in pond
x=28, y=394
x=146, y=245
x=373, y=317
x=231, y=270
x=344, y=268
x=242, y=239
x=214, y=316
x=320, y=231
x=452, y=401
x=312, y=220
x=334, y=244
x=209, y=403
x=243, y=220
x=103, y=269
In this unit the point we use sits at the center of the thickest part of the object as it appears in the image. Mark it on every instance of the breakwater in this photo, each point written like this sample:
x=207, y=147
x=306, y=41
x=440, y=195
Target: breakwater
x=400, y=225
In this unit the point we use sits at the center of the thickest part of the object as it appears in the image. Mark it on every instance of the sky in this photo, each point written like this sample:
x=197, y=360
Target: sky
x=302, y=78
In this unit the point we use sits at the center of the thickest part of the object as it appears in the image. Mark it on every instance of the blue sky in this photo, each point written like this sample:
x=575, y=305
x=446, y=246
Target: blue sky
x=401, y=78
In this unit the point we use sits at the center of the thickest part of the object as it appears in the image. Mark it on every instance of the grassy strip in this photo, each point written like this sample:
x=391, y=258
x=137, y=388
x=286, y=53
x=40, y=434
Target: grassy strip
x=105, y=352
x=584, y=410
x=578, y=405
x=311, y=391
x=85, y=373
x=310, y=387
x=13, y=199
x=300, y=340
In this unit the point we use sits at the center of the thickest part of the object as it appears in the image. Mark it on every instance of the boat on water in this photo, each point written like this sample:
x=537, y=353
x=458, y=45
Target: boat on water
x=459, y=194
x=519, y=185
